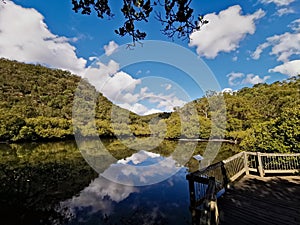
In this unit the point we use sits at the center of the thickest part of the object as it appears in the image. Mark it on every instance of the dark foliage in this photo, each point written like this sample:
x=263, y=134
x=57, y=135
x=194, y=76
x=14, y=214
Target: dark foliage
x=176, y=16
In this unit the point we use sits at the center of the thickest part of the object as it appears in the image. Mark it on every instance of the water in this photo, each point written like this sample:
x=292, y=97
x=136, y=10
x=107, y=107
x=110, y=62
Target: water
x=51, y=183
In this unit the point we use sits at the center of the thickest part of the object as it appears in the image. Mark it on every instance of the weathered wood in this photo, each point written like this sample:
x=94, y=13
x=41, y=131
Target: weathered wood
x=225, y=177
x=237, y=175
x=233, y=157
x=230, y=170
x=281, y=171
x=263, y=201
x=280, y=154
x=260, y=165
x=246, y=163
x=252, y=170
x=210, y=167
x=210, y=214
x=251, y=153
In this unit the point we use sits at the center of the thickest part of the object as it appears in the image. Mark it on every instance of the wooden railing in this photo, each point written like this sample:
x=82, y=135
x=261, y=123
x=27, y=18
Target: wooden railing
x=226, y=171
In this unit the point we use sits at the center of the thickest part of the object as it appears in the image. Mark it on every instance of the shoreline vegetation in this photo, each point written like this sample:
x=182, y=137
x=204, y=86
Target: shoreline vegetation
x=36, y=105
x=72, y=138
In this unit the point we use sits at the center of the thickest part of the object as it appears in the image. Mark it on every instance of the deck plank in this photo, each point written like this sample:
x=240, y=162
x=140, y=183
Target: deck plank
x=262, y=201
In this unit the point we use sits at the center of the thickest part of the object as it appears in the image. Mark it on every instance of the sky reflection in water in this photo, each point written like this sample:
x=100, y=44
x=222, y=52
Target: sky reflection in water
x=107, y=202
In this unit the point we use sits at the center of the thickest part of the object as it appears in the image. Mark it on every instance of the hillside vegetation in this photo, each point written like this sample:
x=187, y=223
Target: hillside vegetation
x=36, y=104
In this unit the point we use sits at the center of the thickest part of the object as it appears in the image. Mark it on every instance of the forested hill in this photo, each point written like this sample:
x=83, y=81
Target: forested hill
x=266, y=117
x=263, y=118
x=36, y=104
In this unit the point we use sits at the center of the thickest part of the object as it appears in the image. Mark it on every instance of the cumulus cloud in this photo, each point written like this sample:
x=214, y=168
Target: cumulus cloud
x=256, y=54
x=139, y=157
x=295, y=25
x=222, y=33
x=235, y=79
x=25, y=37
x=254, y=79
x=232, y=77
x=291, y=68
x=99, y=196
x=285, y=11
x=128, y=92
x=111, y=82
x=277, y=2
x=136, y=108
x=283, y=46
x=110, y=48
x=142, y=168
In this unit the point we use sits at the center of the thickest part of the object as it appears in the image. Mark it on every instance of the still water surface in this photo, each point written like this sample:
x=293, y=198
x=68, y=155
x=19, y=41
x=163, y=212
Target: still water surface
x=51, y=183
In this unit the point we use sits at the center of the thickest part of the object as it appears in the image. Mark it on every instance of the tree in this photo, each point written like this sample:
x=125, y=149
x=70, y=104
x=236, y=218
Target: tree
x=281, y=134
x=177, y=16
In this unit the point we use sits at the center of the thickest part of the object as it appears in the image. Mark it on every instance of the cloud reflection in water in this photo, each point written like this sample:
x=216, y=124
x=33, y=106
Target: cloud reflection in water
x=102, y=195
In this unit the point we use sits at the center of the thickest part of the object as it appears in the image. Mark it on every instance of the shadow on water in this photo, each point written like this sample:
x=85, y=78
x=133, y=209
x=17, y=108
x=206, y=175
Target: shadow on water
x=51, y=183
x=34, y=178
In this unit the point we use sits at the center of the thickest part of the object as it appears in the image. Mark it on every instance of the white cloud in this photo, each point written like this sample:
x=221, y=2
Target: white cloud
x=110, y=48
x=234, y=76
x=25, y=37
x=235, y=79
x=128, y=92
x=295, y=25
x=256, y=54
x=116, y=86
x=155, y=169
x=283, y=46
x=152, y=111
x=168, y=86
x=138, y=72
x=223, y=33
x=139, y=157
x=278, y=2
x=291, y=68
x=135, y=107
x=254, y=79
x=99, y=196
x=285, y=11
x=234, y=59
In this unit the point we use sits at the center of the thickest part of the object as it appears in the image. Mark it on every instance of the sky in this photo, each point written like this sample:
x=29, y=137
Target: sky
x=244, y=43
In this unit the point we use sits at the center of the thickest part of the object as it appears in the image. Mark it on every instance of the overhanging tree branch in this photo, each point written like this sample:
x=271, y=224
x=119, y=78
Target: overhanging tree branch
x=176, y=16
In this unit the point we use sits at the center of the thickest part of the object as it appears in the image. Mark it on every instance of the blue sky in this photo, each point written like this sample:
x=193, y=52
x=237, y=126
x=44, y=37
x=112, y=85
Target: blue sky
x=245, y=42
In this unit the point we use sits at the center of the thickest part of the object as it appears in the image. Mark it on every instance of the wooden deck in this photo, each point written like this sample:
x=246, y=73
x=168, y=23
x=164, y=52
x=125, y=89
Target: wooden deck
x=257, y=200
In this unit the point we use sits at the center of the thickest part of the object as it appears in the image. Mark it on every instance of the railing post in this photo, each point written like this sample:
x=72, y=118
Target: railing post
x=210, y=214
x=260, y=165
x=225, y=177
x=246, y=163
x=192, y=194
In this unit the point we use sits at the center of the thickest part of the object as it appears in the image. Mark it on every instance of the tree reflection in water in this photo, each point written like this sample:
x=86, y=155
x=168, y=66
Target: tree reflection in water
x=52, y=184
